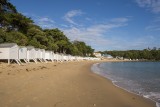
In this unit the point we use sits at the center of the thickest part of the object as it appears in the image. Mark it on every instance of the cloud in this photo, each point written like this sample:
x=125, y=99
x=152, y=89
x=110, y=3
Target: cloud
x=153, y=5
x=95, y=35
x=153, y=28
x=69, y=16
x=155, y=25
x=45, y=22
x=120, y=20
x=144, y=42
x=98, y=36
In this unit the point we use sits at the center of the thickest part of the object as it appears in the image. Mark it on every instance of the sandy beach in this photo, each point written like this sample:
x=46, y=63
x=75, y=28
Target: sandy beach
x=67, y=84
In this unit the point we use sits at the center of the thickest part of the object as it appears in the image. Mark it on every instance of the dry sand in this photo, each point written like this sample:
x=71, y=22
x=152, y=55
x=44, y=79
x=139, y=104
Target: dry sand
x=68, y=84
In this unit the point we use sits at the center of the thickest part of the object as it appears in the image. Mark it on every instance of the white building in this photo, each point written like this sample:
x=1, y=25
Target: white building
x=42, y=54
x=31, y=54
x=48, y=55
x=38, y=54
x=22, y=53
x=97, y=54
x=9, y=51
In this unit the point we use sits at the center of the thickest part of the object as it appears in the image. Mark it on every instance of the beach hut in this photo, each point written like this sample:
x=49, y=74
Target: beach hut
x=48, y=55
x=59, y=57
x=65, y=58
x=22, y=53
x=31, y=54
x=55, y=56
x=38, y=54
x=42, y=54
x=9, y=51
x=52, y=56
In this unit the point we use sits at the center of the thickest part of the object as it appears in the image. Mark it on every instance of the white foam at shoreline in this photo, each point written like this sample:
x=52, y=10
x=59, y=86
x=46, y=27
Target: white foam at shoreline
x=157, y=104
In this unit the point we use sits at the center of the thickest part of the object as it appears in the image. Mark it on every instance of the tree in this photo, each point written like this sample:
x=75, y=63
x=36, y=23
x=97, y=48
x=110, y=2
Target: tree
x=37, y=38
x=5, y=9
x=19, y=22
x=57, y=38
x=15, y=27
x=16, y=37
x=6, y=6
x=84, y=50
x=2, y=36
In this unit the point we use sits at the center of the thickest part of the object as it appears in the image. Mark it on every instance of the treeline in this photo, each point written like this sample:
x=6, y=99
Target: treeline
x=146, y=54
x=17, y=28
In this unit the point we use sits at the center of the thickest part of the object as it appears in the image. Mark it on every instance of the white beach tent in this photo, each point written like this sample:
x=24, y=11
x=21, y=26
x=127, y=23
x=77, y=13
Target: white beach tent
x=9, y=51
x=31, y=54
x=22, y=53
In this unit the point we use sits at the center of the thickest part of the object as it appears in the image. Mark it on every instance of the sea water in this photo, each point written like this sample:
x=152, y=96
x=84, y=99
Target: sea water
x=142, y=78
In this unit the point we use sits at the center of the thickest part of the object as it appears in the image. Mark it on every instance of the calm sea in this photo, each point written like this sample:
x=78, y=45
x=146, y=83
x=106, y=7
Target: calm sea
x=142, y=78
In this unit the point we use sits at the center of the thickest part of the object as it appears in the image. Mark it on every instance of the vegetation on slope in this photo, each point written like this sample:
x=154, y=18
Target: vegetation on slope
x=146, y=54
x=17, y=28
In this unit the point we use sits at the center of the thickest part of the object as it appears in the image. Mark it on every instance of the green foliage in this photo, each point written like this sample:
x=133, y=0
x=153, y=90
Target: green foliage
x=19, y=22
x=36, y=44
x=74, y=50
x=84, y=50
x=57, y=40
x=2, y=35
x=17, y=28
x=56, y=34
x=146, y=54
x=6, y=6
x=37, y=38
x=16, y=37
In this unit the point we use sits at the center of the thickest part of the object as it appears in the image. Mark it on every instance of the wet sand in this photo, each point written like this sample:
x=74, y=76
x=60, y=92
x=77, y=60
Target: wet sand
x=67, y=84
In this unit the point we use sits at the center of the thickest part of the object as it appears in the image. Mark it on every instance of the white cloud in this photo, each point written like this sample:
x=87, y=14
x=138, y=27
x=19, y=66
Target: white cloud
x=153, y=28
x=154, y=5
x=45, y=22
x=155, y=25
x=144, y=42
x=45, y=19
x=120, y=20
x=88, y=19
x=69, y=16
x=95, y=35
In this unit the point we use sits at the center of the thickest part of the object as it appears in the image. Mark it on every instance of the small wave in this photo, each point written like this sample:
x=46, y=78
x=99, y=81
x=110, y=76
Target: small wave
x=154, y=96
x=95, y=68
x=157, y=104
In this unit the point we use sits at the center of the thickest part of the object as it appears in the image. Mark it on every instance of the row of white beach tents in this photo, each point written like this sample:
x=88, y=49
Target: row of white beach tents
x=11, y=51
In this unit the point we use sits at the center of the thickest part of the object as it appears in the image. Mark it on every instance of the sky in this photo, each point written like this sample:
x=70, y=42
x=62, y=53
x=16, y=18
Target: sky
x=102, y=24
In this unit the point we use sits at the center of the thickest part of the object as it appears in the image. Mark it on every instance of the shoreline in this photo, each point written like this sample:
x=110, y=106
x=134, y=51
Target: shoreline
x=67, y=84
x=120, y=86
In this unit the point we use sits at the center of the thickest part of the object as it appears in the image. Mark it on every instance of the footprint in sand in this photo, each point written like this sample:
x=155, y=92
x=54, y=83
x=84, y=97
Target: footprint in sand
x=27, y=70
